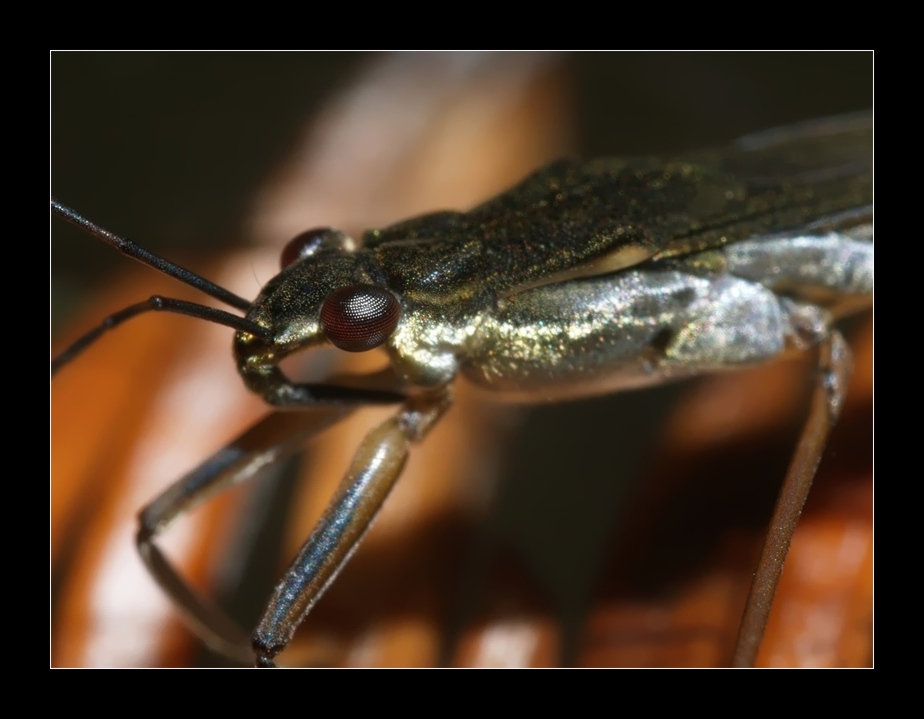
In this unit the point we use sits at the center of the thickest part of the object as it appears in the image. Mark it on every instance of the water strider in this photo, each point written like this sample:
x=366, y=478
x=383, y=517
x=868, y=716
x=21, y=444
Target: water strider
x=587, y=277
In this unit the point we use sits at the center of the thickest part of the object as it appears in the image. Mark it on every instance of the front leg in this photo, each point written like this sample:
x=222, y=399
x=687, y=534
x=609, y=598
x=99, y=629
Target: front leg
x=362, y=491
x=277, y=436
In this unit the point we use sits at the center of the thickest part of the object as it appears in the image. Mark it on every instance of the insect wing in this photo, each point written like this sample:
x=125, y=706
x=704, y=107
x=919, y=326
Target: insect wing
x=580, y=219
x=816, y=174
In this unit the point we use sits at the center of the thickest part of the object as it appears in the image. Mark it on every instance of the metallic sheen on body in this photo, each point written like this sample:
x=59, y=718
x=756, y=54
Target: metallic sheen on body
x=586, y=277
x=596, y=276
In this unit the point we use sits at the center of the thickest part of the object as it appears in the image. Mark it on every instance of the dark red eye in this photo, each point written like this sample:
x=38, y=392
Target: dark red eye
x=359, y=317
x=303, y=245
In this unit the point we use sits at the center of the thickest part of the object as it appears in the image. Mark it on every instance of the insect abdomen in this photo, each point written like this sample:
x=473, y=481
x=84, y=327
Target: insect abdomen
x=744, y=304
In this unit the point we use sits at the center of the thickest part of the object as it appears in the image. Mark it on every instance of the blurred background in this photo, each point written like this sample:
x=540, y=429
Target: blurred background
x=171, y=148
x=181, y=151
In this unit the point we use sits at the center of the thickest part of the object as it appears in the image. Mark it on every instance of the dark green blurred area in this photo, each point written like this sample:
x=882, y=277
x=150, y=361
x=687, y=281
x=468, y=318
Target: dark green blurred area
x=167, y=148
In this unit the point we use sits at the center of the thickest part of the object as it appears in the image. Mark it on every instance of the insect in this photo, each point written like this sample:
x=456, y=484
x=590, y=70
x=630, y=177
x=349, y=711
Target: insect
x=587, y=277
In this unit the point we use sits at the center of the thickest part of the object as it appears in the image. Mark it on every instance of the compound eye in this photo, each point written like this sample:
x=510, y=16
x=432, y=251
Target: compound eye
x=359, y=317
x=304, y=245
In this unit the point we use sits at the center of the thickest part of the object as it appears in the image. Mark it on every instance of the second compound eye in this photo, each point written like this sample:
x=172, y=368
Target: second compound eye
x=359, y=317
x=302, y=245
x=310, y=242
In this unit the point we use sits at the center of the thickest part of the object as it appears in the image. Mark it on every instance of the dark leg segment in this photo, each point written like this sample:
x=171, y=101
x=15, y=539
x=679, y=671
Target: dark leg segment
x=834, y=366
x=359, y=496
x=274, y=438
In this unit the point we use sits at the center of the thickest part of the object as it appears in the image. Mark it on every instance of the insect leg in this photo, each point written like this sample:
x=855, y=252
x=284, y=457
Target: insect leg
x=833, y=371
x=274, y=438
x=376, y=466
